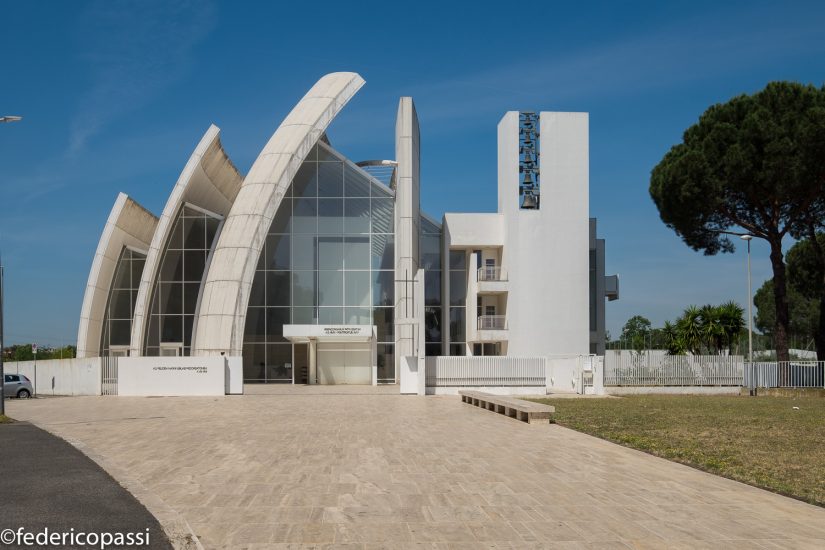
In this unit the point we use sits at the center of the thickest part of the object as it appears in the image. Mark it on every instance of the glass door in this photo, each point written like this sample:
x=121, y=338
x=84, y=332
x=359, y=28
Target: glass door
x=300, y=364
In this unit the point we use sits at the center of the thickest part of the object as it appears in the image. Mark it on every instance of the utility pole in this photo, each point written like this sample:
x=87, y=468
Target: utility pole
x=2, y=348
x=3, y=119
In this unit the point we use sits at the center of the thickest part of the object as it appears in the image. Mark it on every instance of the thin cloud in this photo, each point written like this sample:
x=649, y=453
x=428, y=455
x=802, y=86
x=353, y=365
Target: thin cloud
x=135, y=50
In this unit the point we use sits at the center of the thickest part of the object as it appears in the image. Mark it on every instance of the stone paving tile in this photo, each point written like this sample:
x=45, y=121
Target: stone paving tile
x=357, y=468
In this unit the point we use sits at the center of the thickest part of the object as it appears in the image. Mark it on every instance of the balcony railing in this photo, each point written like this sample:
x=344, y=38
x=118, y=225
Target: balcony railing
x=490, y=273
x=492, y=322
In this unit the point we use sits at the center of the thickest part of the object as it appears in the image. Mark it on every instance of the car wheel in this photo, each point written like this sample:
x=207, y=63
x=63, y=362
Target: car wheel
x=23, y=394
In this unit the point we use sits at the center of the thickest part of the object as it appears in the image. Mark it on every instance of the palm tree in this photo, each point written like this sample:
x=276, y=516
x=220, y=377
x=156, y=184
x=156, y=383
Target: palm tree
x=711, y=328
x=689, y=326
x=732, y=321
x=673, y=339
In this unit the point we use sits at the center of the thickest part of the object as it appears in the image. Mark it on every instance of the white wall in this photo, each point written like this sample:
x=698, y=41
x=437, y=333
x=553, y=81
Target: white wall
x=546, y=250
x=171, y=376
x=60, y=376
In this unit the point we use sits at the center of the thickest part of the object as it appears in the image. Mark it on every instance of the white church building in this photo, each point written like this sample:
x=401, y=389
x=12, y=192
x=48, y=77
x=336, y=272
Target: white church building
x=316, y=269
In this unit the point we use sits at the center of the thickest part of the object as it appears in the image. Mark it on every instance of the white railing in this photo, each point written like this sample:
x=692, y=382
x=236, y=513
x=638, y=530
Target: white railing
x=642, y=369
x=490, y=273
x=785, y=374
x=492, y=322
x=474, y=371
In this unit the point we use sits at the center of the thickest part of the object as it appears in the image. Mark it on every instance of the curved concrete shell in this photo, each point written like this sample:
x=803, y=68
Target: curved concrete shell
x=225, y=294
x=128, y=225
x=209, y=181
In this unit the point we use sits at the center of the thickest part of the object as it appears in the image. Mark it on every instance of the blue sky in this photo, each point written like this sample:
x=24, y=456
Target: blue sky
x=116, y=94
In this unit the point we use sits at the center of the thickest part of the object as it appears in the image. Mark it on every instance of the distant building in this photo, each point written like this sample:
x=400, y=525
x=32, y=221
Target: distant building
x=307, y=266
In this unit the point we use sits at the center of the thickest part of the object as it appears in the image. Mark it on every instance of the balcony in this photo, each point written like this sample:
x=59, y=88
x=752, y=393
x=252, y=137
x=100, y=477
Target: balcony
x=492, y=322
x=491, y=328
x=491, y=280
x=491, y=273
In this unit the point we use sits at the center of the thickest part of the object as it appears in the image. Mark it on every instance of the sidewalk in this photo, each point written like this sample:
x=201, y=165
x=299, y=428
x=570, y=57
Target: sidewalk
x=47, y=483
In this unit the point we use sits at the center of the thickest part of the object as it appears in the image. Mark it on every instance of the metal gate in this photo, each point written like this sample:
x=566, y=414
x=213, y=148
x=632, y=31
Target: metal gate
x=108, y=373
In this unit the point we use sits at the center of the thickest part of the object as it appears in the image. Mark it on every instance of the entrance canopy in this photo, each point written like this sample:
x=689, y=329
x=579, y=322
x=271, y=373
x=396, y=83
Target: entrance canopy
x=338, y=354
x=329, y=333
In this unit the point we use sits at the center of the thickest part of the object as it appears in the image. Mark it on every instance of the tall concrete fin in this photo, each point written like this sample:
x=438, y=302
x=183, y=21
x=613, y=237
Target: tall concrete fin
x=225, y=294
x=210, y=181
x=128, y=225
x=407, y=227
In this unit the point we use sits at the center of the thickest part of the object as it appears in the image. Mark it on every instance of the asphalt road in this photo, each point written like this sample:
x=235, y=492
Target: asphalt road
x=47, y=483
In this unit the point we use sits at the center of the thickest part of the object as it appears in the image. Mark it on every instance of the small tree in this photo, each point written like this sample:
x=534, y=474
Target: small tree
x=806, y=275
x=636, y=331
x=803, y=313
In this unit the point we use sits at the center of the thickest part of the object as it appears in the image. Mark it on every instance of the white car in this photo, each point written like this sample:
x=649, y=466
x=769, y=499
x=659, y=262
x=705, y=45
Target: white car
x=17, y=385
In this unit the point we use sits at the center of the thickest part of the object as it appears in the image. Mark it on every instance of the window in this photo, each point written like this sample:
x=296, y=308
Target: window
x=458, y=298
x=430, y=261
x=175, y=294
x=328, y=259
x=120, y=306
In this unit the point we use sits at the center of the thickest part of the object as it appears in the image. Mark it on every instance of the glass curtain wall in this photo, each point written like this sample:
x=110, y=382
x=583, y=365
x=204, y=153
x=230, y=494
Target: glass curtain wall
x=175, y=295
x=458, y=296
x=328, y=259
x=430, y=243
x=120, y=305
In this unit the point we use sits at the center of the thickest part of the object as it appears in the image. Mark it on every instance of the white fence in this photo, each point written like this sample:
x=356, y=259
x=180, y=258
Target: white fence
x=642, y=369
x=469, y=371
x=785, y=374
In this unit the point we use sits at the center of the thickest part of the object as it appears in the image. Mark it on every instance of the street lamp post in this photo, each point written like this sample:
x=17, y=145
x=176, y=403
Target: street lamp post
x=748, y=238
x=3, y=119
x=2, y=373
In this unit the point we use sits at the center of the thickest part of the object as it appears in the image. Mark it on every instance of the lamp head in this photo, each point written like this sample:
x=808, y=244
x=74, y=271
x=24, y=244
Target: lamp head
x=746, y=237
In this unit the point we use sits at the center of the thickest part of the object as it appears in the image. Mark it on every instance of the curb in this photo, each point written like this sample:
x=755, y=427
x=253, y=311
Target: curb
x=177, y=529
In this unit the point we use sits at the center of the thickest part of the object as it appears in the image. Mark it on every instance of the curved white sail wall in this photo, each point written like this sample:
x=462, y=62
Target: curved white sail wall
x=209, y=181
x=129, y=224
x=225, y=294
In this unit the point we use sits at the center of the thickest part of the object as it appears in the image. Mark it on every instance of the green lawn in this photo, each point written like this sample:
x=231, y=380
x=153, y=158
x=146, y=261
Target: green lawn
x=5, y=419
x=762, y=441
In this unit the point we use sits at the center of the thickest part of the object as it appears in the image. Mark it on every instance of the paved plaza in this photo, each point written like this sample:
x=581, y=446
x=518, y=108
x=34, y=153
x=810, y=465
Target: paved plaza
x=297, y=467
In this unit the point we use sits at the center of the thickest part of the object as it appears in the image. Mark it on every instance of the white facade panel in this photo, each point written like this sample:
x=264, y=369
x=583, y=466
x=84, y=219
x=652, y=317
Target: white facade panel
x=475, y=230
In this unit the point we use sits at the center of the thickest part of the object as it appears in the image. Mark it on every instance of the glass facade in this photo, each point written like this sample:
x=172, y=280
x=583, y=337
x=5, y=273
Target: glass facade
x=457, y=299
x=120, y=305
x=328, y=259
x=175, y=294
x=430, y=261
x=593, y=301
